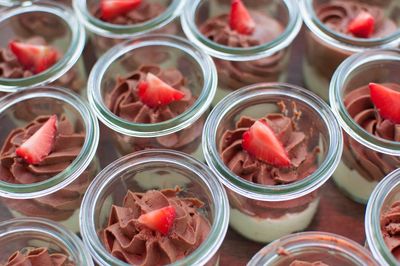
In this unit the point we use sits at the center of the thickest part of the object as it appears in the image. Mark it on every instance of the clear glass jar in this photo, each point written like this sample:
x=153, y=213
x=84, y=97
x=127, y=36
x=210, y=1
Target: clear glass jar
x=327, y=248
x=241, y=66
x=384, y=195
x=105, y=35
x=25, y=233
x=326, y=48
x=264, y=213
x=182, y=132
x=155, y=169
x=57, y=25
x=58, y=197
x=366, y=158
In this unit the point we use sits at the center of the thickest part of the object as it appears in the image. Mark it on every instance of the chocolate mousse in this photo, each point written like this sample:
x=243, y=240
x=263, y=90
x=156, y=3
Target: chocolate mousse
x=390, y=226
x=307, y=263
x=370, y=164
x=234, y=75
x=155, y=227
x=132, y=12
x=38, y=257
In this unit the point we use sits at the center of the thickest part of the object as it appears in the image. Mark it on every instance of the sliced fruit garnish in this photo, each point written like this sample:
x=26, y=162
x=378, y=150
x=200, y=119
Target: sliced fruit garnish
x=240, y=19
x=155, y=93
x=111, y=9
x=387, y=101
x=160, y=220
x=261, y=142
x=363, y=25
x=36, y=58
x=35, y=149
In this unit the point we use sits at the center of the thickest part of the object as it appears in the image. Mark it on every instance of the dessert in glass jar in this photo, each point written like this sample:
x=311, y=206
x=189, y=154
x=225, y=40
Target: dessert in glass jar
x=40, y=242
x=313, y=249
x=48, y=139
x=365, y=96
x=337, y=29
x=382, y=219
x=110, y=22
x=41, y=44
x=249, y=40
x=154, y=92
x=272, y=145
x=155, y=207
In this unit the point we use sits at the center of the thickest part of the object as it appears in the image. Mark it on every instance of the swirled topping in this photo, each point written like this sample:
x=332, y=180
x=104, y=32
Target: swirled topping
x=303, y=161
x=307, y=263
x=126, y=238
x=390, y=226
x=338, y=14
x=38, y=257
x=372, y=165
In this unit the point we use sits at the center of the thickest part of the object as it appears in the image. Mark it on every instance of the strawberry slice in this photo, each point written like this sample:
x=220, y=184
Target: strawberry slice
x=160, y=220
x=155, y=93
x=240, y=19
x=111, y=9
x=261, y=142
x=39, y=145
x=36, y=58
x=363, y=25
x=387, y=101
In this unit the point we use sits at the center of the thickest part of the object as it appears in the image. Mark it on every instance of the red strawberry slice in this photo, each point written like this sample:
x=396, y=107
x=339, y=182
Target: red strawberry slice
x=240, y=19
x=387, y=101
x=261, y=142
x=160, y=220
x=363, y=25
x=155, y=93
x=39, y=145
x=111, y=9
x=36, y=58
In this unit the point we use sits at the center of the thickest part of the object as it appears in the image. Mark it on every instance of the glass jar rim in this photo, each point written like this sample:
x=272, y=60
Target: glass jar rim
x=241, y=54
x=81, y=162
x=48, y=227
x=341, y=41
x=218, y=229
x=117, y=31
x=187, y=118
x=373, y=232
x=280, y=192
x=68, y=60
x=338, y=80
x=308, y=240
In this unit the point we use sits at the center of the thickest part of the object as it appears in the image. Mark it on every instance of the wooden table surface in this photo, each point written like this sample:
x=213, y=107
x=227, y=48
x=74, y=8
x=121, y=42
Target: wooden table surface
x=336, y=213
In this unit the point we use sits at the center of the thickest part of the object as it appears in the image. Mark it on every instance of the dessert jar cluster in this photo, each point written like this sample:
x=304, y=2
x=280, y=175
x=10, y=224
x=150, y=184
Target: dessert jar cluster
x=155, y=207
x=243, y=55
x=38, y=242
x=154, y=92
x=41, y=44
x=371, y=138
x=47, y=158
x=332, y=35
x=313, y=248
x=381, y=220
x=107, y=28
x=272, y=191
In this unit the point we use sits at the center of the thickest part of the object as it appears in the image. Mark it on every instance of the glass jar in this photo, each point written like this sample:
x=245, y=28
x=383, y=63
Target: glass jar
x=54, y=24
x=326, y=48
x=25, y=234
x=105, y=35
x=154, y=170
x=367, y=158
x=386, y=193
x=58, y=193
x=265, y=212
x=162, y=53
x=327, y=248
x=245, y=64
